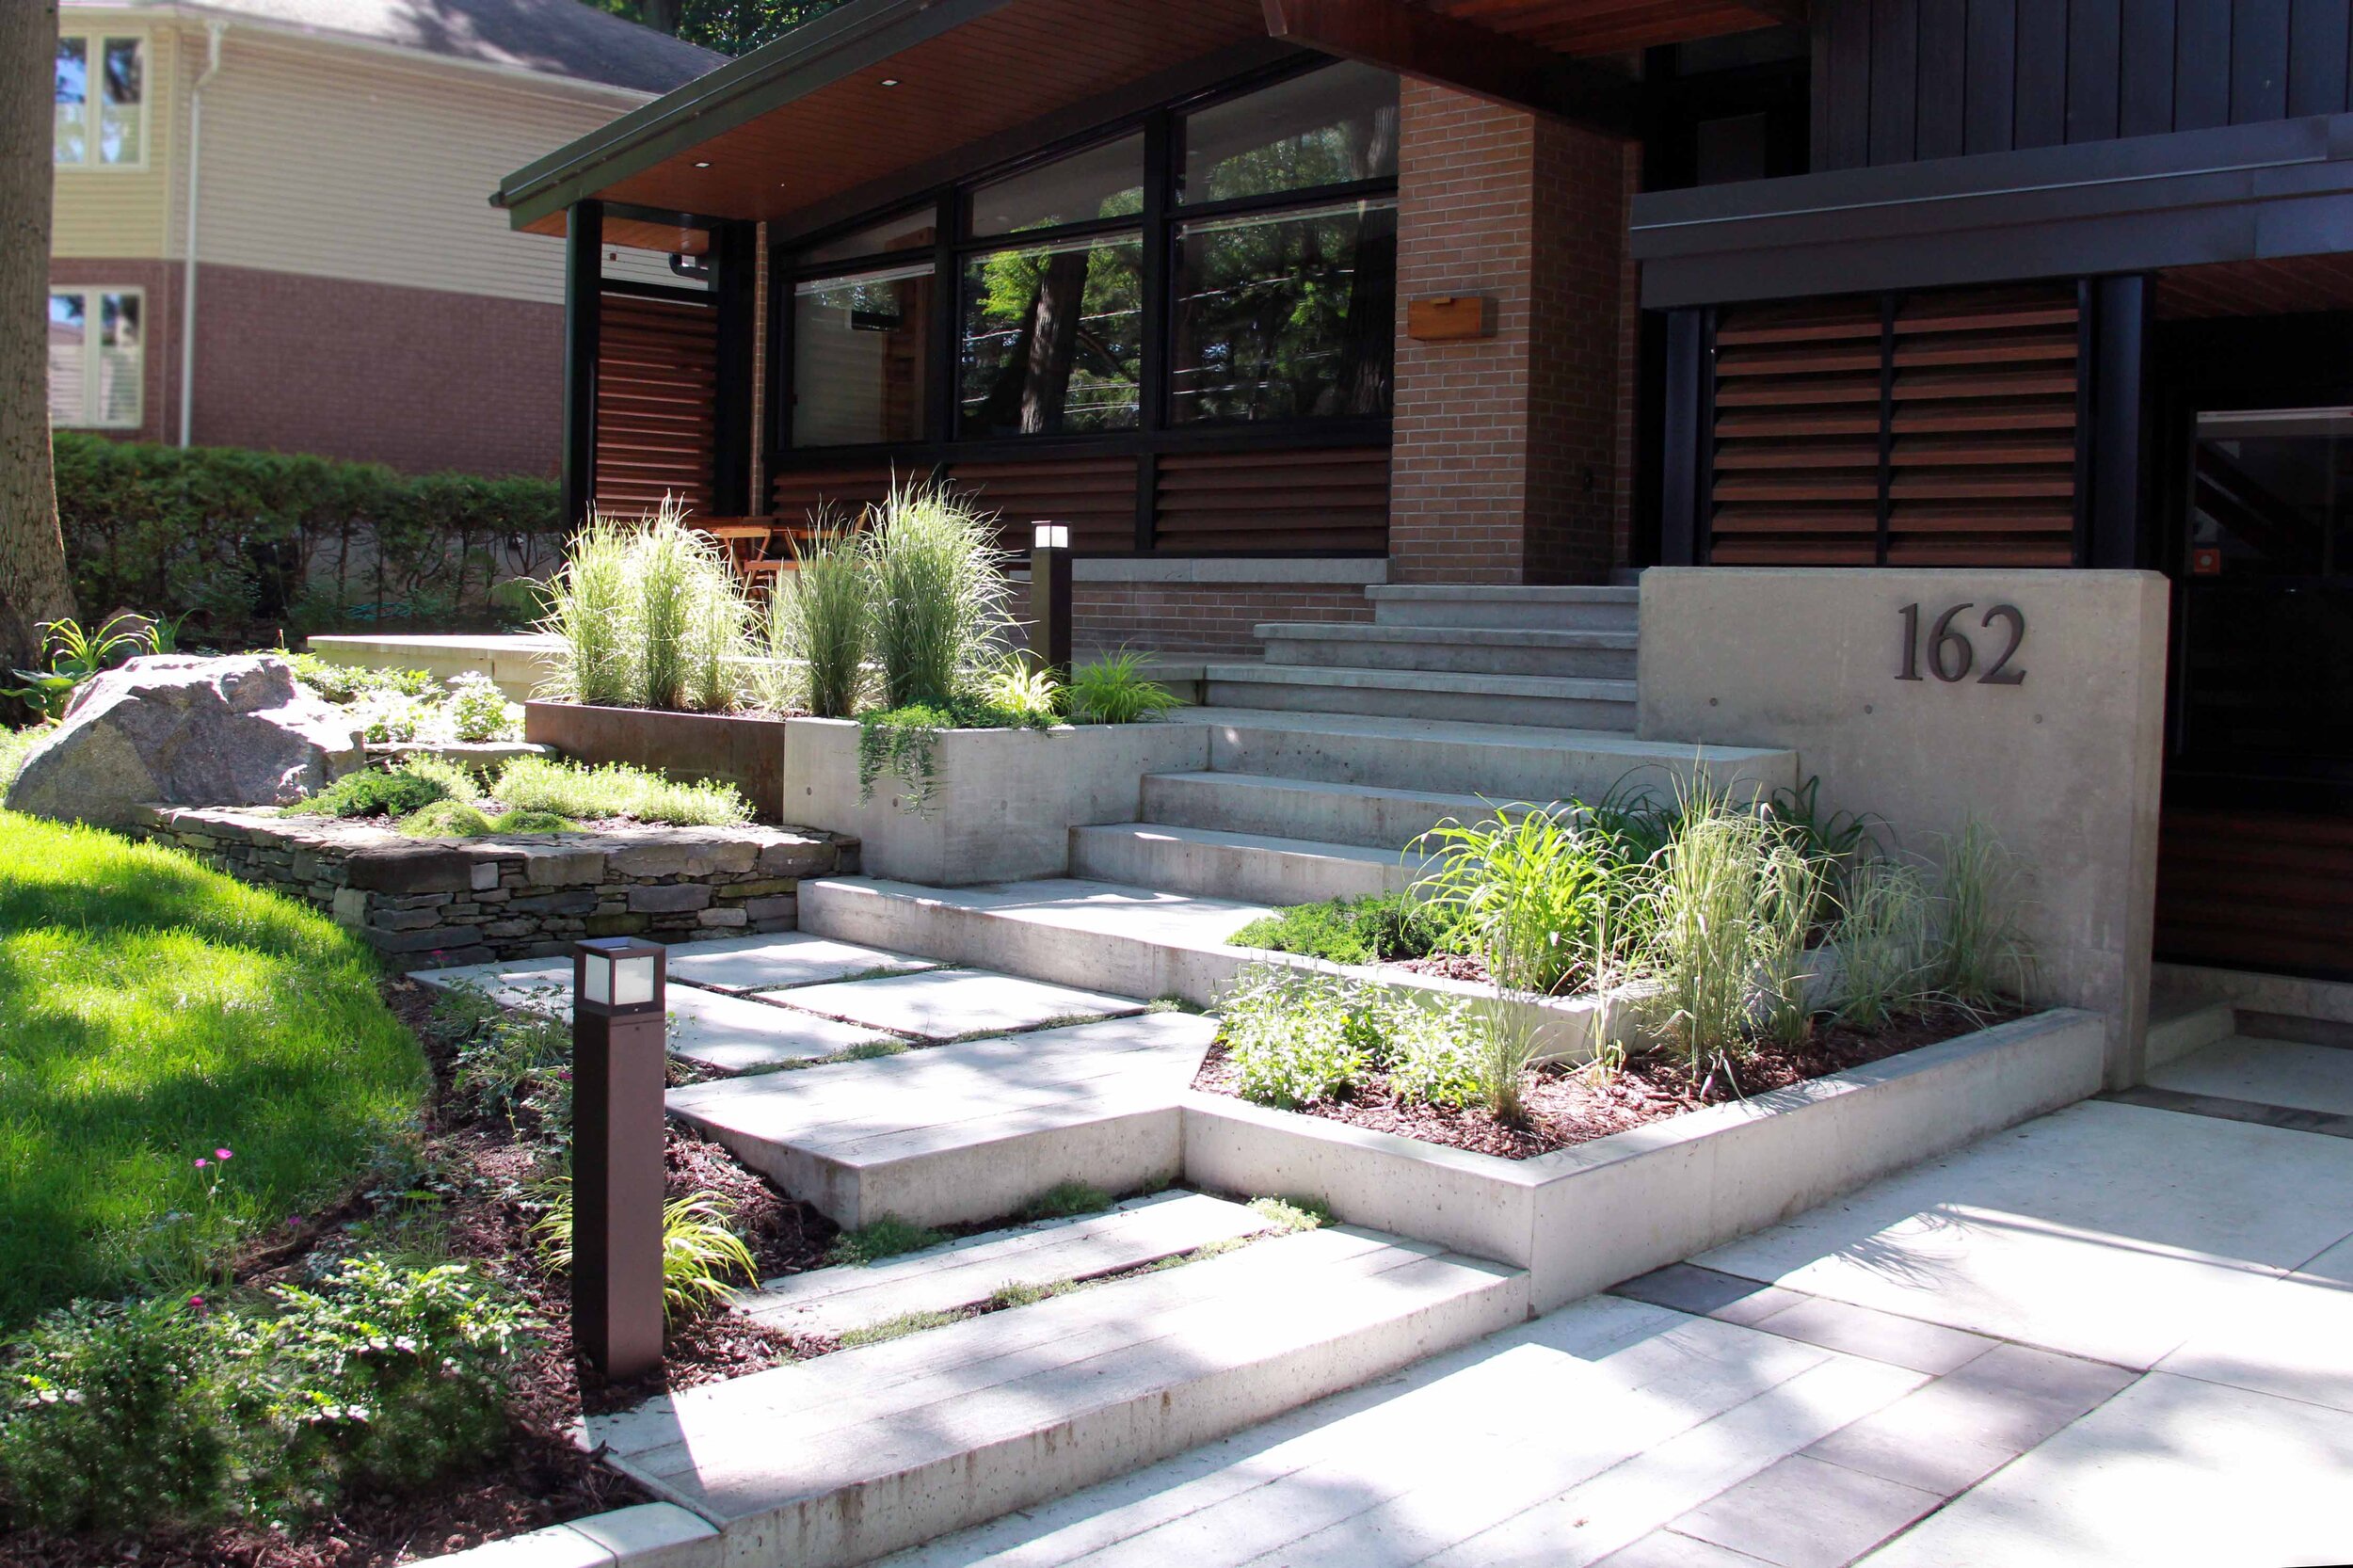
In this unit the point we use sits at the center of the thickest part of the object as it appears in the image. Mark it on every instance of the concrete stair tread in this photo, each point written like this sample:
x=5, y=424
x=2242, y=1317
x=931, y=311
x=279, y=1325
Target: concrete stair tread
x=1224, y=862
x=1067, y=904
x=1355, y=854
x=967, y=1271
x=1487, y=636
x=1367, y=816
x=1350, y=677
x=1435, y=799
x=1506, y=593
x=1467, y=732
x=843, y=1459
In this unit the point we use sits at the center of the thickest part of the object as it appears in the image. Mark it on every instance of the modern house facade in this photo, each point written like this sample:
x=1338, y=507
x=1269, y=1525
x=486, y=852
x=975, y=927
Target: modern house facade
x=1275, y=300
x=313, y=172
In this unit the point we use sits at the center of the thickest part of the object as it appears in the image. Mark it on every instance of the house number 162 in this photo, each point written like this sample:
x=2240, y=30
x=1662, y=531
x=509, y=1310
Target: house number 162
x=1950, y=654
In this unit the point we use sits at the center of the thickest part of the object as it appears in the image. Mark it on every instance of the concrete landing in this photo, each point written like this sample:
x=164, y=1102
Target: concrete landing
x=966, y=1132
x=965, y=1273
x=953, y=1004
x=776, y=963
x=837, y=1461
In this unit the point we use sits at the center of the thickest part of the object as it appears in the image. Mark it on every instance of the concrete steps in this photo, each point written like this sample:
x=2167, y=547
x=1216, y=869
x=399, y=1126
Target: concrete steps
x=841, y=1459
x=1412, y=693
x=1458, y=605
x=1462, y=650
x=969, y=1131
x=1366, y=816
x=2179, y=1026
x=1139, y=941
x=1217, y=863
x=966, y=1274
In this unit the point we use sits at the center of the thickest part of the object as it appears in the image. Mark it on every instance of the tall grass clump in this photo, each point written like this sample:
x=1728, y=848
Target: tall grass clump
x=591, y=604
x=1116, y=688
x=1982, y=955
x=1526, y=887
x=1887, y=944
x=649, y=615
x=940, y=597
x=818, y=625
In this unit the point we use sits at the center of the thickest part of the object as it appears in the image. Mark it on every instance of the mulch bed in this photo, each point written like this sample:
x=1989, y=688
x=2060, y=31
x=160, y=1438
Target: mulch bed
x=544, y=1477
x=1567, y=1106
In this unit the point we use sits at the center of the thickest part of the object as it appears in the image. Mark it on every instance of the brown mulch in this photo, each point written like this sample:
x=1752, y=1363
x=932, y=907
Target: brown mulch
x=480, y=1172
x=1567, y=1106
x=1446, y=966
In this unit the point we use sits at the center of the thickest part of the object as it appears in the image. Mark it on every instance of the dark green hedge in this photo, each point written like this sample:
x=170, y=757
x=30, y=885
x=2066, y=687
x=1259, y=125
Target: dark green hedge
x=253, y=543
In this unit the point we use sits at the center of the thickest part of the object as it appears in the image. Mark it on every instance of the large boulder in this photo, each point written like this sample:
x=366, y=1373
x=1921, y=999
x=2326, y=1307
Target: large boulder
x=177, y=731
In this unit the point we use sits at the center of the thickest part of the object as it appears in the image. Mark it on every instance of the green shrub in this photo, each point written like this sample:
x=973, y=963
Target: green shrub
x=373, y=792
x=348, y=683
x=1525, y=887
x=819, y=623
x=533, y=821
x=111, y=1419
x=1293, y=1036
x=615, y=789
x=904, y=742
x=700, y=1255
x=456, y=780
x=1114, y=689
x=1373, y=930
x=479, y=711
x=500, y=1054
x=446, y=819
x=939, y=592
x=1012, y=684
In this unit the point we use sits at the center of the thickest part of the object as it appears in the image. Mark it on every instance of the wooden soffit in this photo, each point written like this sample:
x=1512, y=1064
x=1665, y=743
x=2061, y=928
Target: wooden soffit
x=1612, y=26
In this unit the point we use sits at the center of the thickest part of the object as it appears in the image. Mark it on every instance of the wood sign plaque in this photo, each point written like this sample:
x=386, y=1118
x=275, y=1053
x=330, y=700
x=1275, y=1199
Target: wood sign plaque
x=1450, y=317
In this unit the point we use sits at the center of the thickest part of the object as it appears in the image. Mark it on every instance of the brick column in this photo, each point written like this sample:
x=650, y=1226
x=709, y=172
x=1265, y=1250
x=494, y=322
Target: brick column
x=1511, y=452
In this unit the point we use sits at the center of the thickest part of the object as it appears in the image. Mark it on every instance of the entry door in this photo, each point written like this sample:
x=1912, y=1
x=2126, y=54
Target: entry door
x=2257, y=868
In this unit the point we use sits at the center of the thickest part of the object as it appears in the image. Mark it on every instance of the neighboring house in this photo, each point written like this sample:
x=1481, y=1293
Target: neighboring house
x=354, y=296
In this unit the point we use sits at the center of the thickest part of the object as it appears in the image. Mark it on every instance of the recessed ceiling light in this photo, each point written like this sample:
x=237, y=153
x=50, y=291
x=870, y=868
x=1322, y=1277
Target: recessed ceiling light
x=703, y=164
x=891, y=81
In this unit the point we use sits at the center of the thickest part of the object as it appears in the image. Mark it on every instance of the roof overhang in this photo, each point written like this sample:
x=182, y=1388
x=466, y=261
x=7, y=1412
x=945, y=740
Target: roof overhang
x=2230, y=194
x=845, y=103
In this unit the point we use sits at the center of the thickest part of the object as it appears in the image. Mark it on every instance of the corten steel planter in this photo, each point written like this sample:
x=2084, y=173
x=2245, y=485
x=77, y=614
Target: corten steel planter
x=729, y=748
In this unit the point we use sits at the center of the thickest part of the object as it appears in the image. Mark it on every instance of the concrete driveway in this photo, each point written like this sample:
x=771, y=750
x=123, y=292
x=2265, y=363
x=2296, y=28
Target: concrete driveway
x=2120, y=1335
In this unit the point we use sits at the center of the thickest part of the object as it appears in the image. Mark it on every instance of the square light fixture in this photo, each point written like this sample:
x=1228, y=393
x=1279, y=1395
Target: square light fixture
x=1051, y=535
x=620, y=974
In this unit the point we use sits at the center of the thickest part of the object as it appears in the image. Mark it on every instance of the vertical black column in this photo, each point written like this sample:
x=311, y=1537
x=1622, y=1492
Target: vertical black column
x=584, y=315
x=735, y=276
x=1152, y=354
x=2116, y=464
x=1682, y=504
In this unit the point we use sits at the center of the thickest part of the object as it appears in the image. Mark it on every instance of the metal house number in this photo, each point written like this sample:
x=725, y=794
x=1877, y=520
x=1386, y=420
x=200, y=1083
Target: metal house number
x=1950, y=655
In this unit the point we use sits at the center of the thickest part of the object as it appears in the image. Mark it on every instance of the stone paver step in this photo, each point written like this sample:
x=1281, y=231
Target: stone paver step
x=1363, y=815
x=1590, y=608
x=1222, y=863
x=1412, y=693
x=966, y=1272
x=970, y=1131
x=953, y=1004
x=776, y=963
x=841, y=1460
x=1462, y=650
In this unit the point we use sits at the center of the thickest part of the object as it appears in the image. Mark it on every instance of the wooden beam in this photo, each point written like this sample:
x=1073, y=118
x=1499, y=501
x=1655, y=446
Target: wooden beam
x=1431, y=46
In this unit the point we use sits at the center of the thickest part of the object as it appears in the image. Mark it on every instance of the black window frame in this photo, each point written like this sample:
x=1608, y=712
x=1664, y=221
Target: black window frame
x=1158, y=223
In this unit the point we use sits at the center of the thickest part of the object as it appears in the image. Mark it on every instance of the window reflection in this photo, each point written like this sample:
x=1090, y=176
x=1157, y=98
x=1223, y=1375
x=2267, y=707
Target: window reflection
x=72, y=125
x=914, y=231
x=859, y=353
x=1051, y=339
x=118, y=109
x=1326, y=128
x=1286, y=316
x=1102, y=181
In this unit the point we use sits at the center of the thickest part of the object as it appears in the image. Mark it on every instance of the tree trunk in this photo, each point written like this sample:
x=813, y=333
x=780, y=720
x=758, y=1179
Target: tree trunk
x=34, y=586
x=661, y=15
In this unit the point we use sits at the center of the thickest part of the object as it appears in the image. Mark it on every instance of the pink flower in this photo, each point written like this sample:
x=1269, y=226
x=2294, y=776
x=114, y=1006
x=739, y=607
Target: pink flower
x=197, y=1302
x=201, y=1163
x=222, y=1154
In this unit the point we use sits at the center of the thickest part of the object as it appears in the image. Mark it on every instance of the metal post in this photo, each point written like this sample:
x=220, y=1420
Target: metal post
x=618, y=1006
x=583, y=321
x=1049, y=598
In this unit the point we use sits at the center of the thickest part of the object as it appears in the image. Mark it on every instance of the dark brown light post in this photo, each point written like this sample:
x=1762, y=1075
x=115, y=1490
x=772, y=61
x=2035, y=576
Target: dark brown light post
x=1049, y=598
x=618, y=1004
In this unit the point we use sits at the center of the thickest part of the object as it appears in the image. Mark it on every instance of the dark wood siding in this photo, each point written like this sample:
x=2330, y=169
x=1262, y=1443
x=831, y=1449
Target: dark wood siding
x=1901, y=80
x=1934, y=429
x=657, y=379
x=2272, y=890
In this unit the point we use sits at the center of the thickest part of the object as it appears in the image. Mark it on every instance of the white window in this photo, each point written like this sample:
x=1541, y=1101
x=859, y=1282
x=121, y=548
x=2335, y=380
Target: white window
x=95, y=358
x=102, y=101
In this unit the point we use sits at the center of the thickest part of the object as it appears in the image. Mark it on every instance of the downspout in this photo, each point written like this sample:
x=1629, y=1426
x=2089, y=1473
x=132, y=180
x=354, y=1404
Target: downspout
x=188, y=286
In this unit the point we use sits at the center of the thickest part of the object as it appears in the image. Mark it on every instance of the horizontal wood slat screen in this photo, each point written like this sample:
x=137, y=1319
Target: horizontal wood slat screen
x=797, y=496
x=1937, y=429
x=657, y=380
x=2266, y=889
x=1094, y=496
x=1219, y=503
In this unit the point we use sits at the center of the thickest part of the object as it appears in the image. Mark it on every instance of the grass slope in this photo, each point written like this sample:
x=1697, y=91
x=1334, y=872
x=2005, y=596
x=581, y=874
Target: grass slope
x=150, y=1011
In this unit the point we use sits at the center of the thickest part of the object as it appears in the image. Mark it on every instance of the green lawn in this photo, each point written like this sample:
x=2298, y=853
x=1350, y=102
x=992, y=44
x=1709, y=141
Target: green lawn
x=152, y=1012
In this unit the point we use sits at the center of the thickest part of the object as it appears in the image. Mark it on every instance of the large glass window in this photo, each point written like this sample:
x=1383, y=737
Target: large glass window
x=1052, y=339
x=915, y=231
x=860, y=357
x=96, y=358
x=1102, y=182
x=1330, y=127
x=101, y=122
x=1286, y=316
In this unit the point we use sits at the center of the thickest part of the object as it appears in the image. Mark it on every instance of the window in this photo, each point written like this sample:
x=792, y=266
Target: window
x=94, y=358
x=1330, y=127
x=1103, y=182
x=1052, y=339
x=860, y=350
x=915, y=231
x=1287, y=315
x=101, y=122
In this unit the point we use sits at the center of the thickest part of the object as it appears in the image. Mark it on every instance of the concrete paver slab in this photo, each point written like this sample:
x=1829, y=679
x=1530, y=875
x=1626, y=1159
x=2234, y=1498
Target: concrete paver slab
x=738, y=1035
x=1802, y=1512
x=2293, y=1338
x=543, y=984
x=774, y=962
x=2268, y=1072
x=947, y=1004
x=2107, y=1231
x=1951, y=1433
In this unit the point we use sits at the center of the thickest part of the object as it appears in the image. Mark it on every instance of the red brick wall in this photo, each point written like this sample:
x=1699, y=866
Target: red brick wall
x=1511, y=452
x=1201, y=617
x=418, y=378
x=159, y=418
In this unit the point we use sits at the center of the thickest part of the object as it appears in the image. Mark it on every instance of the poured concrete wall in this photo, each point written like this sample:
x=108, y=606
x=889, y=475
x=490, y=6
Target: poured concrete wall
x=2063, y=764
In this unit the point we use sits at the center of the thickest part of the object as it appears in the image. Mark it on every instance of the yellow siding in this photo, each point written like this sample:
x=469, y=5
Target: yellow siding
x=343, y=163
x=126, y=212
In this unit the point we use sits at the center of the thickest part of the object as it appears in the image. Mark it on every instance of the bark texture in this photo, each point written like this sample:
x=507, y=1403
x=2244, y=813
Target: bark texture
x=34, y=584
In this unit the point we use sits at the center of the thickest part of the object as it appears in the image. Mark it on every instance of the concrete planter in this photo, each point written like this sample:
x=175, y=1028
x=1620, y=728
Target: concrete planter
x=1585, y=1217
x=729, y=748
x=1006, y=802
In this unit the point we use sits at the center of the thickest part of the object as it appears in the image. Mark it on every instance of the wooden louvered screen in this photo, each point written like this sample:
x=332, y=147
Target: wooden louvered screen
x=797, y=497
x=2269, y=890
x=1931, y=430
x=657, y=380
x=1094, y=496
x=1226, y=501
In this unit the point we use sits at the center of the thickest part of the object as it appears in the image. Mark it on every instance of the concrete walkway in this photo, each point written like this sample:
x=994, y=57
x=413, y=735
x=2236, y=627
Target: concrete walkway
x=2120, y=1335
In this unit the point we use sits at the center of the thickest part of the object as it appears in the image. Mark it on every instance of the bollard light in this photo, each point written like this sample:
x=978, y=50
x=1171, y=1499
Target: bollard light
x=619, y=1005
x=1049, y=598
